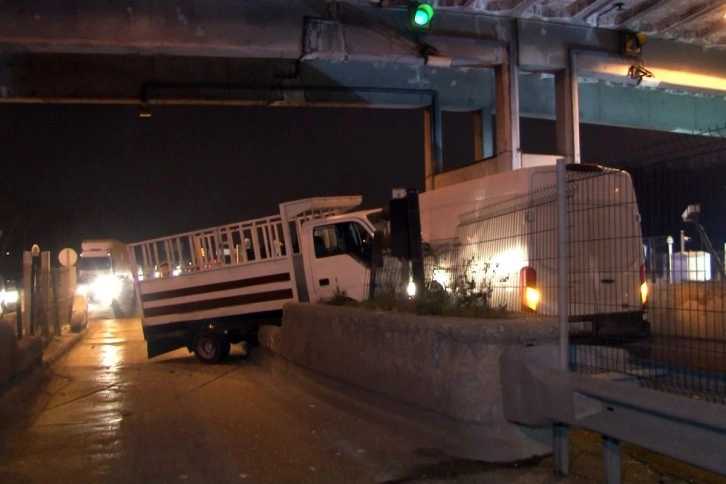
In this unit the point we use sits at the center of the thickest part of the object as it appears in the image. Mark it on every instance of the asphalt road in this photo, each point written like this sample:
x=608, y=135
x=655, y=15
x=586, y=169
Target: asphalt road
x=105, y=413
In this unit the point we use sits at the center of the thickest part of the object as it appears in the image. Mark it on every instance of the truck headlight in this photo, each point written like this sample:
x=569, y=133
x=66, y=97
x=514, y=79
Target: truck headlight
x=105, y=288
x=11, y=297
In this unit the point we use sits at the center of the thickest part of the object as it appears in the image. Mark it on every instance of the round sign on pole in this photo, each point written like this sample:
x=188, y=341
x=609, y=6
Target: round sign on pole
x=67, y=257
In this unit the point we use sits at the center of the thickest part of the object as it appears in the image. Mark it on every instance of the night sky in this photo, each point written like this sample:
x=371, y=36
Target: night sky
x=101, y=171
x=91, y=171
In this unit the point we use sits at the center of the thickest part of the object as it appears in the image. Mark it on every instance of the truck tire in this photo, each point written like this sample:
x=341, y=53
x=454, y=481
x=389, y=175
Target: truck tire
x=208, y=347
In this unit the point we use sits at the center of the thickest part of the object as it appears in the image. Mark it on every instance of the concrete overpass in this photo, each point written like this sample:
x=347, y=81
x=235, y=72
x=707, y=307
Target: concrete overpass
x=498, y=59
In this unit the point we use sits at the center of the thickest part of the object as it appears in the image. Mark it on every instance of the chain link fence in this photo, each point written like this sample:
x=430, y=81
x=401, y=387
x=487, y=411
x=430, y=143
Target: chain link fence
x=681, y=189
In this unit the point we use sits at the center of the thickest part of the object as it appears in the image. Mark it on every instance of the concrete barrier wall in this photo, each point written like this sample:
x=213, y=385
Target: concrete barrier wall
x=448, y=366
x=17, y=357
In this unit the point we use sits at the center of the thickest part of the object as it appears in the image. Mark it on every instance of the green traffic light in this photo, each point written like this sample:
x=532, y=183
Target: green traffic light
x=423, y=15
x=420, y=15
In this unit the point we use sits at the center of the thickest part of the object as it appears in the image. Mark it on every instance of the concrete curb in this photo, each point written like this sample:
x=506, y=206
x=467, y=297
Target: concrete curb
x=21, y=358
x=79, y=316
x=29, y=355
x=60, y=345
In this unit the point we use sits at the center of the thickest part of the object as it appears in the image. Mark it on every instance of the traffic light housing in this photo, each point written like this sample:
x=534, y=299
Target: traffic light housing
x=634, y=42
x=420, y=16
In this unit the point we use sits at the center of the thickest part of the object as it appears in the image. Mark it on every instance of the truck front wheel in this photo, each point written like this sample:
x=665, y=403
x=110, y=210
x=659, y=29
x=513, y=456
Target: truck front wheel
x=208, y=347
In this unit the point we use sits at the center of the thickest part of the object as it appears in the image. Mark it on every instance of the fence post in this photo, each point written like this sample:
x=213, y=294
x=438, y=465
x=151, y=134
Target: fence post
x=561, y=431
x=563, y=280
x=611, y=460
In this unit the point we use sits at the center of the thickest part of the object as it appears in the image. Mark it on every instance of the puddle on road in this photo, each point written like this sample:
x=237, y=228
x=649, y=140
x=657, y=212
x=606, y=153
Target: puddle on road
x=81, y=421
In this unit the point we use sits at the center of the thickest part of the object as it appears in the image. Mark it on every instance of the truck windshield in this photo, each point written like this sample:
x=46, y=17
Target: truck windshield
x=94, y=263
x=342, y=238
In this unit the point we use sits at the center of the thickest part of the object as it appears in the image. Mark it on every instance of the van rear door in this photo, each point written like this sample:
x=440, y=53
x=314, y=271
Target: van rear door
x=604, y=240
x=605, y=244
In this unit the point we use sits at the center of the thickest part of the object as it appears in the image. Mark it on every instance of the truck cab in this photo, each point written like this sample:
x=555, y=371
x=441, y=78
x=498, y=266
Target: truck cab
x=338, y=255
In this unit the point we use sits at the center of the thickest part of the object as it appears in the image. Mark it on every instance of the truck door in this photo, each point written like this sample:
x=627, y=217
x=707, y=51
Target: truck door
x=339, y=260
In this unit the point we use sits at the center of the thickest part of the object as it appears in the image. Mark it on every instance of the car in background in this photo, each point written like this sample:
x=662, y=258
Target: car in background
x=9, y=295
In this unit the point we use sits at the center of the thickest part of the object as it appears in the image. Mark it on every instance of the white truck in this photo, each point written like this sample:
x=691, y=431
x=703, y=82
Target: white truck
x=104, y=271
x=210, y=288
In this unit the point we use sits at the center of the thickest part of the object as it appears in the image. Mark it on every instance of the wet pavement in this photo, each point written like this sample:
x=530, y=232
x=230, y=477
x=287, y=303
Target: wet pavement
x=103, y=412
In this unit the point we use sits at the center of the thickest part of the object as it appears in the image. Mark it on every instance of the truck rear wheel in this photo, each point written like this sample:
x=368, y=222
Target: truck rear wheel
x=208, y=347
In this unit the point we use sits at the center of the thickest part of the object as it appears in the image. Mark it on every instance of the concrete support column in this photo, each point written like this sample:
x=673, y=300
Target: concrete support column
x=503, y=131
x=25, y=295
x=46, y=288
x=567, y=114
x=429, y=158
x=433, y=143
x=507, y=112
x=483, y=134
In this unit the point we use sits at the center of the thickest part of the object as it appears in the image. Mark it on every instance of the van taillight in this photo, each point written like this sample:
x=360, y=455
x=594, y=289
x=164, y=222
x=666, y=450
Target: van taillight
x=643, y=286
x=528, y=289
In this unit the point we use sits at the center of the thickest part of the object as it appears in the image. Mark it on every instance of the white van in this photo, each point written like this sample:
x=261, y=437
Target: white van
x=500, y=232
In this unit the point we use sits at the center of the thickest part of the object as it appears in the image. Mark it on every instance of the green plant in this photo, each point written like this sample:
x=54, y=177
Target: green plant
x=467, y=297
x=468, y=292
x=340, y=298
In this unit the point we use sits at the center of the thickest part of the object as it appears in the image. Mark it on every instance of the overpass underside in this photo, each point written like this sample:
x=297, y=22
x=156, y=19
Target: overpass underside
x=357, y=55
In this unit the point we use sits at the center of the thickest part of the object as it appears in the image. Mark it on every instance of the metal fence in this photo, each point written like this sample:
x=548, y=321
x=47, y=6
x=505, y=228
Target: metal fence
x=45, y=299
x=653, y=232
x=681, y=189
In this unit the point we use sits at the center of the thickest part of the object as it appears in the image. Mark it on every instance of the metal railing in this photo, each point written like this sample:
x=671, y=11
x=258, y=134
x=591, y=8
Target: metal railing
x=237, y=243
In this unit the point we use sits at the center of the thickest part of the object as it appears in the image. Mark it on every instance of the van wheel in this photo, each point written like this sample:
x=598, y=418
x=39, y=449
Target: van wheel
x=208, y=347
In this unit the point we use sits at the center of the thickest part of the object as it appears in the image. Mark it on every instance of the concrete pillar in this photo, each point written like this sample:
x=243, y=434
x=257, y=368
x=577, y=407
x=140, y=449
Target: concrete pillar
x=503, y=129
x=46, y=291
x=26, y=291
x=67, y=288
x=433, y=143
x=507, y=112
x=483, y=134
x=567, y=115
x=429, y=158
